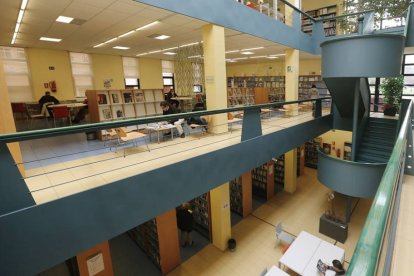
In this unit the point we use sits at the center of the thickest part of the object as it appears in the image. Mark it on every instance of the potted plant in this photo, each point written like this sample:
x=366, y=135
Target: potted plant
x=392, y=89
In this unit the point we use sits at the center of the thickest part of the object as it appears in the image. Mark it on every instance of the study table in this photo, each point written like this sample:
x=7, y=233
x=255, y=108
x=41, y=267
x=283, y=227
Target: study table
x=305, y=251
x=160, y=129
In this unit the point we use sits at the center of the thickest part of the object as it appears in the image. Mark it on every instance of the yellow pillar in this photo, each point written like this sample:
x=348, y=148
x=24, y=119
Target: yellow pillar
x=6, y=119
x=215, y=75
x=220, y=216
x=290, y=171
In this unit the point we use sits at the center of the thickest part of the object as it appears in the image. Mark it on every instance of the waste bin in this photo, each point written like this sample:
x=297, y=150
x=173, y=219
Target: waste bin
x=231, y=244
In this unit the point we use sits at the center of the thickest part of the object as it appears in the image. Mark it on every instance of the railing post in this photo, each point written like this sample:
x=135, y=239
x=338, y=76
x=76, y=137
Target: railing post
x=318, y=109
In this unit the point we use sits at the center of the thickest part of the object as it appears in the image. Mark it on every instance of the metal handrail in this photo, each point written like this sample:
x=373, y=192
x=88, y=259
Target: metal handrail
x=298, y=10
x=367, y=251
x=343, y=15
x=42, y=133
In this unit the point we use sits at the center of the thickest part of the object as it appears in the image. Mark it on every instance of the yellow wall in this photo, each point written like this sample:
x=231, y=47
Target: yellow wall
x=339, y=136
x=150, y=73
x=306, y=67
x=39, y=61
x=220, y=216
x=316, y=4
x=107, y=67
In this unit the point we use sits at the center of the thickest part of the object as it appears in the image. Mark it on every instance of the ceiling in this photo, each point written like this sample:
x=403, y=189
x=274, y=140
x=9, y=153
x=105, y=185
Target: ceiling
x=101, y=20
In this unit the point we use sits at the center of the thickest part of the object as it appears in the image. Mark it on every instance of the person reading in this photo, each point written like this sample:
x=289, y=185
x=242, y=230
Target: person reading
x=336, y=268
x=46, y=100
x=168, y=109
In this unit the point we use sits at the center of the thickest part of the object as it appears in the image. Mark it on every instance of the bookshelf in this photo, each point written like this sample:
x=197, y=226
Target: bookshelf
x=279, y=173
x=201, y=212
x=107, y=105
x=263, y=181
x=311, y=152
x=158, y=238
x=241, y=194
x=347, y=151
x=329, y=25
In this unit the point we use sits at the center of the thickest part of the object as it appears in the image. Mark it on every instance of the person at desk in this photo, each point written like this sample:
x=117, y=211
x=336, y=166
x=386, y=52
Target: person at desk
x=46, y=100
x=167, y=109
x=336, y=268
x=172, y=94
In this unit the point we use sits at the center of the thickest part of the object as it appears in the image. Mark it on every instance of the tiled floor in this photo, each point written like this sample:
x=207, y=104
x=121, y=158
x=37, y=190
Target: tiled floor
x=257, y=247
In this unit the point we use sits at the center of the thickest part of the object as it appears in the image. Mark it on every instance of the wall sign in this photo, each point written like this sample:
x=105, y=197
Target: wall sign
x=95, y=264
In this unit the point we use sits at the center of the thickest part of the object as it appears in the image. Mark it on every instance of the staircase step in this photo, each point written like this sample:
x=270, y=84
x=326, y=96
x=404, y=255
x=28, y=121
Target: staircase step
x=382, y=121
x=381, y=127
x=378, y=139
x=377, y=146
x=384, y=133
x=375, y=152
x=370, y=158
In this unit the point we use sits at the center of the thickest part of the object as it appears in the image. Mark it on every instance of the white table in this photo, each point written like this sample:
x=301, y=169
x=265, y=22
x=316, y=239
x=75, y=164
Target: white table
x=160, y=129
x=275, y=271
x=303, y=254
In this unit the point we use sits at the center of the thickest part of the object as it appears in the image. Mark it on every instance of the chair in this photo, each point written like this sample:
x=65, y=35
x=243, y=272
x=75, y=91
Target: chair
x=125, y=137
x=61, y=112
x=282, y=235
x=33, y=112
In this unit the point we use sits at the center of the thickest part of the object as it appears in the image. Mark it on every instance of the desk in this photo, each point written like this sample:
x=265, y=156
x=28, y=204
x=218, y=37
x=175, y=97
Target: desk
x=304, y=253
x=71, y=106
x=159, y=130
x=275, y=271
x=186, y=103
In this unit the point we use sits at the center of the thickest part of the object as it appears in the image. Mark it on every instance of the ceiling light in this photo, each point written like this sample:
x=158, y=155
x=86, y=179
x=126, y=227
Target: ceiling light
x=197, y=56
x=153, y=52
x=121, y=47
x=148, y=25
x=125, y=34
x=142, y=54
x=170, y=53
x=258, y=57
x=272, y=57
x=14, y=38
x=99, y=45
x=190, y=44
x=64, y=19
x=112, y=39
x=20, y=17
x=246, y=53
x=278, y=55
x=240, y=58
x=232, y=51
x=162, y=37
x=51, y=39
x=230, y=60
x=24, y=4
x=249, y=49
x=16, y=29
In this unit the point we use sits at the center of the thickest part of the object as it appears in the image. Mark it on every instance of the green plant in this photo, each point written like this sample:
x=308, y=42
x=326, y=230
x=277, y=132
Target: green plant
x=392, y=90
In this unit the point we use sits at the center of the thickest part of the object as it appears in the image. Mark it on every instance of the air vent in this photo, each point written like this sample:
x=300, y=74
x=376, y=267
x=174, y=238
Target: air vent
x=154, y=35
x=77, y=21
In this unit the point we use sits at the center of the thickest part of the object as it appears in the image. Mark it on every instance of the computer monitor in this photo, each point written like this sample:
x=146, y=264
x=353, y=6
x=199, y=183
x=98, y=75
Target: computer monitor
x=197, y=88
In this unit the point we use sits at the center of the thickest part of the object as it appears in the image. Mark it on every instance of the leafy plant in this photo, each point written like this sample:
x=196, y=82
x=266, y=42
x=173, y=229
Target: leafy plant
x=392, y=90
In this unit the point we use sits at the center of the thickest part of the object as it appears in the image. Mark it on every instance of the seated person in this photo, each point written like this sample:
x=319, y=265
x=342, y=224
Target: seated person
x=173, y=103
x=47, y=99
x=168, y=109
x=336, y=268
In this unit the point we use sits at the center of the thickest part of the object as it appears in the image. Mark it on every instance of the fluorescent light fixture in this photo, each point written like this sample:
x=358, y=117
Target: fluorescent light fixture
x=14, y=38
x=24, y=4
x=153, y=52
x=232, y=51
x=64, y=19
x=189, y=44
x=121, y=47
x=148, y=25
x=126, y=34
x=20, y=17
x=99, y=45
x=240, y=58
x=272, y=57
x=142, y=54
x=16, y=29
x=162, y=37
x=249, y=49
x=258, y=57
x=277, y=55
x=230, y=60
x=112, y=39
x=246, y=53
x=172, y=48
x=170, y=53
x=50, y=39
x=197, y=56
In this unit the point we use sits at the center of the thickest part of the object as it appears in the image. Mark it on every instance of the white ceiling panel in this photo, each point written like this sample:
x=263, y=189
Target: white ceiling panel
x=126, y=8
x=81, y=11
x=97, y=3
x=61, y=30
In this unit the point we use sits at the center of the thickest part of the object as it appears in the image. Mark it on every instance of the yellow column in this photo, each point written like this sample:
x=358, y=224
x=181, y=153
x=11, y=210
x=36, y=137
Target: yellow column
x=220, y=216
x=290, y=171
x=6, y=119
x=215, y=75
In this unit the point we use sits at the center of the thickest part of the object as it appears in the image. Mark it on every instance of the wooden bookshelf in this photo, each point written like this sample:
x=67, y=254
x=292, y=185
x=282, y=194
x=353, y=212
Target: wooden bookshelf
x=326, y=13
x=158, y=238
x=263, y=180
x=311, y=152
x=241, y=194
x=202, y=215
x=279, y=173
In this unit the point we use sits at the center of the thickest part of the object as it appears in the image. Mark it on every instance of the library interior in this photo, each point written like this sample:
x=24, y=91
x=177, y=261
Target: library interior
x=220, y=137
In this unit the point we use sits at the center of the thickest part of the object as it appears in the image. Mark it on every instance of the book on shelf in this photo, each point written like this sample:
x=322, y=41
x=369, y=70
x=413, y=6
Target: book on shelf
x=139, y=96
x=106, y=114
x=102, y=99
x=128, y=97
x=115, y=98
x=119, y=113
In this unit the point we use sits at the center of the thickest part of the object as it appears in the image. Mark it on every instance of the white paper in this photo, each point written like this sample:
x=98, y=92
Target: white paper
x=95, y=264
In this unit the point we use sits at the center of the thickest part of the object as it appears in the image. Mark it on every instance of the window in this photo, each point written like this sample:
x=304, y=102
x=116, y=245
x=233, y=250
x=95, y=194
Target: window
x=81, y=73
x=168, y=74
x=131, y=72
x=17, y=74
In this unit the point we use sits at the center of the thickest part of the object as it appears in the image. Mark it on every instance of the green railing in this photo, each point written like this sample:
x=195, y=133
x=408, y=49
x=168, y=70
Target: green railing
x=373, y=242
